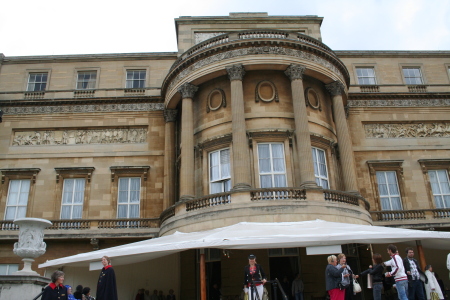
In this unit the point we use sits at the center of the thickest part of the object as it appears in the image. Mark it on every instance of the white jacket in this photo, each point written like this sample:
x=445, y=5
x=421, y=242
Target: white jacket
x=432, y=284
x=398, y=270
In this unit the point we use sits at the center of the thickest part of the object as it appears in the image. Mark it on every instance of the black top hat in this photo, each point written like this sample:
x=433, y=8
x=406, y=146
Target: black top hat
x=251, y=256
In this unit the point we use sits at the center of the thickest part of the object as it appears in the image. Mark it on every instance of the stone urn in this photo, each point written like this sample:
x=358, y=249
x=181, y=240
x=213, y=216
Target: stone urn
x=31, y=242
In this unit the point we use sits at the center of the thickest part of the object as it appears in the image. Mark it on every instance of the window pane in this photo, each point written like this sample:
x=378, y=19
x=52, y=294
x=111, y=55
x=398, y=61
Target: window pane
x=266, y=181
x=10, y=213
x=77, y=211
x=280, y=181
x=21, y=212
x=134, y=211
x=65, y=212
x=122, y=211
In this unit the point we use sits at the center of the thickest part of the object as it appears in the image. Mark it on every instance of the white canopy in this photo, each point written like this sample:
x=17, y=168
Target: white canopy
x=247, y=235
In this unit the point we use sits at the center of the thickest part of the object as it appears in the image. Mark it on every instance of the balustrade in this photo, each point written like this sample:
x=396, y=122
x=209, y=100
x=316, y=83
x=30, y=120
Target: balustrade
x=369, y=88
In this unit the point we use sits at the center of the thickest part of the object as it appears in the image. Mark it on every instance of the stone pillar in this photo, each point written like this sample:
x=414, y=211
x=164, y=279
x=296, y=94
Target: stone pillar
x=241, y=159
x=187, y=181
x=170, y=116
x=344, y=141
x=302, y=135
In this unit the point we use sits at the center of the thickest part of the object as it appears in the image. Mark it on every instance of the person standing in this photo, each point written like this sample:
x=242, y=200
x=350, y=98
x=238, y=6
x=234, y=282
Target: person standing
x=106, y=286
x=347, y=276
x=333, y=277
x=432, y=284
x=398, y=272
x=297, y=288
x=377, y=275
x=413, y=271
x=254, y=279
x=55, y=290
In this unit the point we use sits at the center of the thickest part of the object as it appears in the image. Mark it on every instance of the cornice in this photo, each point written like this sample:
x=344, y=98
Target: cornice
x=409, y=54
x=389, y=96
x=80, y=101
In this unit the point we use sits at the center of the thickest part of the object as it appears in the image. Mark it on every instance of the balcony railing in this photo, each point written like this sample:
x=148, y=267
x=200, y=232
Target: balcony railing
x=369, y=88
x=417, y=88
x=208, y=201
x=278, y=194
x=411, y=215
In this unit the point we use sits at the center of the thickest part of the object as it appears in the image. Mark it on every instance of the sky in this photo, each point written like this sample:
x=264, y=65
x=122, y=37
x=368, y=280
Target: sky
x=54, y=27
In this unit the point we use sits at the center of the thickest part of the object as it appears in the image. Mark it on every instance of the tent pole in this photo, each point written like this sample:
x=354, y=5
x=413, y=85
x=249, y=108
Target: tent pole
x=422, y=260
x=202, y=275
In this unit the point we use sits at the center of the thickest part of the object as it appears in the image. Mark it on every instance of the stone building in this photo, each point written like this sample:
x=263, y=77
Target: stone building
x=253, y=119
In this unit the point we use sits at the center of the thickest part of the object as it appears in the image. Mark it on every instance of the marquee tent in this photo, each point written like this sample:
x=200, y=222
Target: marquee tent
x=248, y=235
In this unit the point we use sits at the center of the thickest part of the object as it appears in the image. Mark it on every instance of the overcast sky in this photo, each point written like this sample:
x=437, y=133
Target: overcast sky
x=51, y=27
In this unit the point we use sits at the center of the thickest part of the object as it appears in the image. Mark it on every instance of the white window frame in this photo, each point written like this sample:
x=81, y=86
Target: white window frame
x=439, y=185
x=362, y=77
x=272, y=173
x=8, y=269
x=320, y=178
x=31, y=85
x=128, y=203
x=72, y=198
x=86, y=84
x=130, y=82
x=390, y=195
x=8, y=199
x=226, y=180
x=409, y=77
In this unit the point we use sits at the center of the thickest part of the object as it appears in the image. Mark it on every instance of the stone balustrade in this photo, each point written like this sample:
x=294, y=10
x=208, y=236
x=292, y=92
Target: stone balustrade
x=411, y=218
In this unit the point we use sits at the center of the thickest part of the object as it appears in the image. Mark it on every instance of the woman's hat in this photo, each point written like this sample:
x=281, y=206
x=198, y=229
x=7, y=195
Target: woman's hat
x=251, y=256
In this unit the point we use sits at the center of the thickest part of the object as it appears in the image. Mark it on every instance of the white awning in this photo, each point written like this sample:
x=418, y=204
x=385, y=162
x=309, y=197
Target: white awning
x=248, y=235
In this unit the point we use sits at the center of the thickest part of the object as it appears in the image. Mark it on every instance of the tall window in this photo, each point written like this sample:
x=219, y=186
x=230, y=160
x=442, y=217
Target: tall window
x=8, y=269
x=135, y=79
x=219, y=171
x=73, y=196
x=366, y=76
x=37, y=82
x=320, y=167
x=389, y=190
x=412, y=75
x=86, y=80
x=129, y=197
x=16, y=203
x=441, y=188
x=272, y=168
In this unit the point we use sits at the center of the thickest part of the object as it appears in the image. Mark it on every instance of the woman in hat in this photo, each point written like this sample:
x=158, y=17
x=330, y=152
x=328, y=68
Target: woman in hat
x=254, y=279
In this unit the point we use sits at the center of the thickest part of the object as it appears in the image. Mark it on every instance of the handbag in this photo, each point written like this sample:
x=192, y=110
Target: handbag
x=356, y=286
x=434, y=296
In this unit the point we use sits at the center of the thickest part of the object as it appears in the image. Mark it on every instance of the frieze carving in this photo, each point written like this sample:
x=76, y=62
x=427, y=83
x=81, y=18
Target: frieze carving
x=295, y=72
x=236, y=72
x=264, y=50
x=203, y=36
x=187, y=90
x=80, y=136
x=407, y=130
x=399, y=103
x=90, y=108
x=170, y=115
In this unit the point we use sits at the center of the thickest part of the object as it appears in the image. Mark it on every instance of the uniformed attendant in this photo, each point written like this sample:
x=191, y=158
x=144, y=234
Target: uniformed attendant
x=106, y=286
x=55, y=290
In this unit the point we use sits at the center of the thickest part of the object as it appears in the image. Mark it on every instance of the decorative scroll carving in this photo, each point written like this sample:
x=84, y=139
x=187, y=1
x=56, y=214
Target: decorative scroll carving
x=24, y=172
x=236, y=72
x=335, y=88
x=170, y=115
x=295, y=72
x=80, y=136
x=264, y=50
x=203, y=36
x=399, y=103
x=94, y=108
x=262, y=88
x=187, y=90
x=407, y=130
x=86, y=171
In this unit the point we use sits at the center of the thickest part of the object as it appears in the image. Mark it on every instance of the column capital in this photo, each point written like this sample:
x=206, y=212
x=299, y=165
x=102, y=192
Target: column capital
x=187, y=90
x=236, y=72
x=170, y=115
x=295, y=72
x=335, y=88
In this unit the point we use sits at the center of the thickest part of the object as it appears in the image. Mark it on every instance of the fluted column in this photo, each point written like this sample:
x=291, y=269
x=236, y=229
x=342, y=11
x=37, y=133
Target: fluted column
x=302, y=135
x=170, y=116
x=336, y=89
x=187, y=183
x=241, y=159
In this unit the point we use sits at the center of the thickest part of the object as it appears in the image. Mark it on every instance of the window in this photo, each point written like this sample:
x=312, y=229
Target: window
x=135, y=79
x=86, y=80
x=412, y=75
x=219, y=171
x=366, y=76
x=8, y=269
x=72, y=200
x=388, y=190
x=320, y=167
x=272, y=169
x=440, y=187
x=129, y=197
x=37, y=82
x=16, y=203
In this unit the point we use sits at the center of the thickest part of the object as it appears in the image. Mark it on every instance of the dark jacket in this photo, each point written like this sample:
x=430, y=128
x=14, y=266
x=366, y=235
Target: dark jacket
x=333, y=277
x=53, y=292
x=407, y=266
x=106, y=287
x=258, y=276
x=376, y=271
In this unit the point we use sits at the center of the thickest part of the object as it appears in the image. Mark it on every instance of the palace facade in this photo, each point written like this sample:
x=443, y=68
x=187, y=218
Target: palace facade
x=253, y=119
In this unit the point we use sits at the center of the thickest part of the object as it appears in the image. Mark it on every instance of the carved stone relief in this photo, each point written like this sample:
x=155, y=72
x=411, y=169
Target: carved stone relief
x=203, y=36
x=80, y=136
x=399, y=103
x=417, y=130
x=216, y=99
x=266, y=91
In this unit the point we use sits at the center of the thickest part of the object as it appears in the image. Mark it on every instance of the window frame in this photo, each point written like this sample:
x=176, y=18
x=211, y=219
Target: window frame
x=72, y=194
x=430, y=165
x=134, y=69
x=413, y=66
x=272, y=172
x=30, y=73
x=128, y=203
x=366, y=67
x=77, y=79
x=17, y=205
x=8, y=266
x=318, y=177
x=389, y=196
x=222, y=180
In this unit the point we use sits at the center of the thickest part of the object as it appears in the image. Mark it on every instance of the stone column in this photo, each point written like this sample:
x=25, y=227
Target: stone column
x=302, y=135
x=241, y=159
x=336, y=89
x=170, y=116
x=187, y=181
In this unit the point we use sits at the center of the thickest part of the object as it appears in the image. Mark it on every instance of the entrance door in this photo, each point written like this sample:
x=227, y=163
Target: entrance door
x=284, y=268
